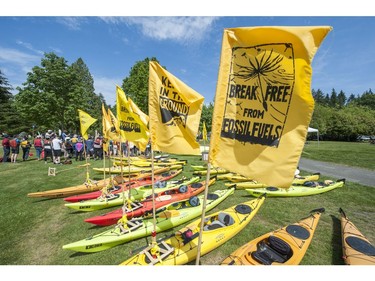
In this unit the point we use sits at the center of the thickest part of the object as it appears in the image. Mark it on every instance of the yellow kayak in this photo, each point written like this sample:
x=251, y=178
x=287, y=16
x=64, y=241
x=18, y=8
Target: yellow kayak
x=142, y=163
x=90, y=186
x=182, y=247
x=285, y=246
x=213, y=171
x=357, y=249
x=299, y=180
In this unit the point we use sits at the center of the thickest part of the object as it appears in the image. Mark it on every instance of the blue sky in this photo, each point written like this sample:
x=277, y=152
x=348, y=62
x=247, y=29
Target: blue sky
x=188, y=46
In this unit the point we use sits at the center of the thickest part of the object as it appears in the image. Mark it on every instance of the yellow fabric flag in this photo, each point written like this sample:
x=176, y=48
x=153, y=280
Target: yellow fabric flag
x=263, y=102
x=106, y=127
x=114, y=129
x=175, y=110
x=143, y=116
x=204, y=133
x=85, y=121
x=130, y=124
x=145, y=119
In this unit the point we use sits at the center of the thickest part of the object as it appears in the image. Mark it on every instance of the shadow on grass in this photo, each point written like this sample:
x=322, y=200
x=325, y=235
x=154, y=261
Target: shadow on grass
x=336, y=242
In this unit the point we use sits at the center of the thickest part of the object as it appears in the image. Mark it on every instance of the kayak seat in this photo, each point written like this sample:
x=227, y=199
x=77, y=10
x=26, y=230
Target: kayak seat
x=223, y=220
x=280, y=246
x=266, y=255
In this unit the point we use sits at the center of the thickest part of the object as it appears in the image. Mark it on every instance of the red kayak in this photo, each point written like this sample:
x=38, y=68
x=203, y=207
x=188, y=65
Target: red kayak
x=144, y=207
x=146, y=181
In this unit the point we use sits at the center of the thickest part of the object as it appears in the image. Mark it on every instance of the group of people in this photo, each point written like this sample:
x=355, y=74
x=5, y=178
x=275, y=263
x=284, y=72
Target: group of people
x=11, y=148
x=54, y=147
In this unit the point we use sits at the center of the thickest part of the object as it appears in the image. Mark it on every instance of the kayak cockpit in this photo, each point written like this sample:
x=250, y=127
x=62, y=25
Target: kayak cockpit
x=221, y=220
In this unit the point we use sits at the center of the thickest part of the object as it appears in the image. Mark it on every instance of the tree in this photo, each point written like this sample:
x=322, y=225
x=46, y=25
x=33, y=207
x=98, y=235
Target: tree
x=8, y=116
x=206, y=116
x=136, y=85
x=341, y=99
x=54, y=92
x=333, y=98
x=318, y=96
x=85, y=91
x=367, y=99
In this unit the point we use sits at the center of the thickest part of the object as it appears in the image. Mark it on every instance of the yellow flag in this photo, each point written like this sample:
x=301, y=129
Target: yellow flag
x=114, y=129
x=143, y=116
x=85, y=121
x=263, y=102
x=204, y=133
x=106, y=127
x=130, y=124
x=175, y=110
x=145, y=119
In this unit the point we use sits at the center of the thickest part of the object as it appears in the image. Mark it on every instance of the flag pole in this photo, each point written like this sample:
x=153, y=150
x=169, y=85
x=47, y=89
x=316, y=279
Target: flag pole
x=153, y=236
x=203, y=213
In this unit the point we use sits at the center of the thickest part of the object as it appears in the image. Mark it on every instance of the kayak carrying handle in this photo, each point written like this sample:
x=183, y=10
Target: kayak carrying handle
x=319, y=210
x=342, y=212
x=341, y=180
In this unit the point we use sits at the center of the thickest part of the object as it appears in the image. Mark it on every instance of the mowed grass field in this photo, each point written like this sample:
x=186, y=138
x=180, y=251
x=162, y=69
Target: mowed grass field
x=33, y=230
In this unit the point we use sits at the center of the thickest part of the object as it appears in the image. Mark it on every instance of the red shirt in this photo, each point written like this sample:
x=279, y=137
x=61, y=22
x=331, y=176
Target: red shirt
x=5, y=142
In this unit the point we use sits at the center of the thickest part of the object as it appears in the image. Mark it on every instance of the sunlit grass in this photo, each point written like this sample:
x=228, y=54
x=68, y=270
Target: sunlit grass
x=33, y=231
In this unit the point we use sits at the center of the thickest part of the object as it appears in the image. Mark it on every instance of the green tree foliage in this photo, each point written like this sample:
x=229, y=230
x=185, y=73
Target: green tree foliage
x=367, y=100
x=136, y=85
x=341, y=99
x=318, y=96
x=206, y=116
x=10, y=122
x=53, y=93
x=84, y=89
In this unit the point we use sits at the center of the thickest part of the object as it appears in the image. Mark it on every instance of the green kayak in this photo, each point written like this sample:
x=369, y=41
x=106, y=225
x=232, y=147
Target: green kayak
x=308, y=188
x=174, y=215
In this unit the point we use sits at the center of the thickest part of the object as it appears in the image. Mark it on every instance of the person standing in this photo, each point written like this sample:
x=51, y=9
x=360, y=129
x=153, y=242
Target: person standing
x=47, y=149
x=6, y=148
x=25, y=145
x=79, y=149
x=15, y=148
x=89, y=147
x=56, y=149
x=98, y=148
x=38, y=145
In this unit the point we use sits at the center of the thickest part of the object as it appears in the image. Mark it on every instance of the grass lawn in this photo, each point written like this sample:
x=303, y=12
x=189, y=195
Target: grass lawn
x=358, y=154
x=33, y=231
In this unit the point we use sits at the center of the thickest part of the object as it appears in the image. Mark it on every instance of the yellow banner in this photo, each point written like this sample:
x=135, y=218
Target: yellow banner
x=130, y=124
x=145, y=119
x=85, y=121
x=204, y=133
x=106, y=127
x=263, y=102
x=175, y=110
x=114, y=129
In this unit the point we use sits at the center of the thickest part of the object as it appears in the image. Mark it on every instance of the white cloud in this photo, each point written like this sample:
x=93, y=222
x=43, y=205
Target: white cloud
x=15, y=65
x=181, y=29
x=29, y=47
x=73, y=23
x=14, y=56
x=107, y=87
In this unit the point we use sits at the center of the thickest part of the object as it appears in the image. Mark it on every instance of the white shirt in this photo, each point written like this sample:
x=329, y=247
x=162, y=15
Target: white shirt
x=56, y=144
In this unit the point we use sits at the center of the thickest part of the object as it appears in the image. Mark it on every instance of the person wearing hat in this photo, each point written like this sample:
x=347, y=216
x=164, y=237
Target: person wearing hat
x=38, y=144
x=6, y=147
